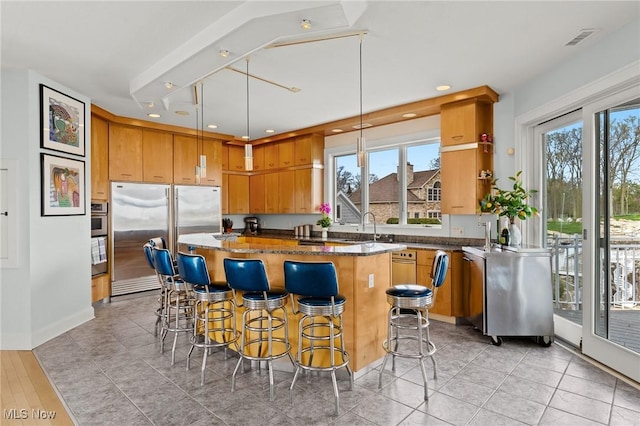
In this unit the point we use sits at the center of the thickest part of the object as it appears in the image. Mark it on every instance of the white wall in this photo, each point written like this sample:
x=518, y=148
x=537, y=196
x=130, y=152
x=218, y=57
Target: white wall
x=50, y=290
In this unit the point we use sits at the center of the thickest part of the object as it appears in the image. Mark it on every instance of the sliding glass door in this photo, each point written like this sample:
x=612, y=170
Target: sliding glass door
x=611, y=332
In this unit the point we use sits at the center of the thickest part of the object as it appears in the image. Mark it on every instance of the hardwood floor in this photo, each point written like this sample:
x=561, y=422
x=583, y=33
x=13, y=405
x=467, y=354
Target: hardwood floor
x=27, y=396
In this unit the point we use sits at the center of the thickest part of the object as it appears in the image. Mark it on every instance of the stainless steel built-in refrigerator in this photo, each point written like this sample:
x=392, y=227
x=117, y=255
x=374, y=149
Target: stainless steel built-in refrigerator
x=140, y=212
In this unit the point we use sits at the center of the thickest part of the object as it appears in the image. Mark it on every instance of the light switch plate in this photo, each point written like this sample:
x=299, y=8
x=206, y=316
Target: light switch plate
x=458, y=232
x=371, y=280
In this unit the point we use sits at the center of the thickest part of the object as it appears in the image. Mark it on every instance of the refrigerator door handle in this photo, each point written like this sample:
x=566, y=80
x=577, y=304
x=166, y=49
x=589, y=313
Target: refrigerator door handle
x=176, y=221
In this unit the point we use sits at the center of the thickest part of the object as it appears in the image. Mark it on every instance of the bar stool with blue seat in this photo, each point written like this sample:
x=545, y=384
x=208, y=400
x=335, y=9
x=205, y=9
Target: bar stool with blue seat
x=179, y=299
x=214, y=308
x=262, y=304
x=161, y=310
x=409, y=312
x=320, y=329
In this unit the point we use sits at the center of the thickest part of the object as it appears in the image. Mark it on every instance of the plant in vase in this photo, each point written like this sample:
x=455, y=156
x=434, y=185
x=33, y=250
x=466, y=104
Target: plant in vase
x=325, y=221
x=510, y=204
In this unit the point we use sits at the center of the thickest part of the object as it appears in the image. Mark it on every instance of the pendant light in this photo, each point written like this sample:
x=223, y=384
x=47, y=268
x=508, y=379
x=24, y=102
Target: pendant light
x=248, y=148
x=203, y=158
x=360, y=141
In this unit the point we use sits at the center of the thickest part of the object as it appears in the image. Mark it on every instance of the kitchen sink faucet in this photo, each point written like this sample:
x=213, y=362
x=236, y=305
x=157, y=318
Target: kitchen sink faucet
x=375, y=234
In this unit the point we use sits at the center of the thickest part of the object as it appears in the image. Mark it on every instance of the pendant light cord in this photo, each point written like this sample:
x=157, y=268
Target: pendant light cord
x=248, y=131
x=360, y=86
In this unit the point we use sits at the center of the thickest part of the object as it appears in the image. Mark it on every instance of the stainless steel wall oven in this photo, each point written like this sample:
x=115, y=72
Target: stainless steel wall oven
x=99, y=232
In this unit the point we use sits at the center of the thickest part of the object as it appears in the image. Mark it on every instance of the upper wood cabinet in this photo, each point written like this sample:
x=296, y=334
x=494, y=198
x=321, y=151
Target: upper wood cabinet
x=224, y=157
x=186, y=153
x=464, y=121
x=99, y=159
x=212, y=150
x=185, y=159
x=125, y=153
x=308, y=190
x=309, y=149
x=271, y=156
x=286, y=153
x=258, y=158
x=257, y=193
x=462, y=186
x=238, y=194
x=236, y=158
x=286, y=189
x=157, y=156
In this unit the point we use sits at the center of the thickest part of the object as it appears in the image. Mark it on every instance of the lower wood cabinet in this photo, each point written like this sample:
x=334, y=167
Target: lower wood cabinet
x=100, y=287
x=449, y=298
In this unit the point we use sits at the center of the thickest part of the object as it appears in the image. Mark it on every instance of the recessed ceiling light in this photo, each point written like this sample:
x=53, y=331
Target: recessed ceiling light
x=364, y=125
x=269, y=131
x=181, y=112
x=305, y=24
x=153, y=115
x=245, y=137
x=150, y=104
x=409, y=115
x=168, y=85
x=212, y=126
x=224, y=53
x=443, y=87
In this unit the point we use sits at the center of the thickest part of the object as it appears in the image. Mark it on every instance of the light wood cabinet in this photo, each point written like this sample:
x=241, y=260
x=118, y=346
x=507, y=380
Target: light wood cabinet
x=157, y=156
x=224, y=194
x=185, y=159
x=286, y=153
x=462, y=187
x=450, y=295
x=271, y=156
x=125, y=153
x=186, y=153
x=309, y=149
x=308, y=190
x=258, y=158
x=224, y=157
x=257, y=201
x=99, y=159
x=272, y=192
x=236, y=158
x=238, y=194
x=286, y=189
x=464, y=121
x=100, y=287
x=212, y=150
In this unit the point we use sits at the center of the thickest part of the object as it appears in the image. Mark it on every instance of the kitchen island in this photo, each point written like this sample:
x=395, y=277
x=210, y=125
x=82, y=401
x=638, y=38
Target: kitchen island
x=364, y=274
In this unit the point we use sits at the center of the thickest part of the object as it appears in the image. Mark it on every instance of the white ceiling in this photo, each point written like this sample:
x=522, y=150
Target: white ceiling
x=120, y=53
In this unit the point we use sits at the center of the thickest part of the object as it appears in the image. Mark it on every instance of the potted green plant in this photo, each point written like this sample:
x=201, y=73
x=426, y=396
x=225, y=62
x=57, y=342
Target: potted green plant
x=510, y=203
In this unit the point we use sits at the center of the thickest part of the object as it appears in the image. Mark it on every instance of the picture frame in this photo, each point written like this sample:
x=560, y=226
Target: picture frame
x=63, y=189
x=61, y=122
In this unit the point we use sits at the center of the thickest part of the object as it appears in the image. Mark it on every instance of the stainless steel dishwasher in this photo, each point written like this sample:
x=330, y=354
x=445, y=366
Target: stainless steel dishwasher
x=403, y=267
x=508, y=292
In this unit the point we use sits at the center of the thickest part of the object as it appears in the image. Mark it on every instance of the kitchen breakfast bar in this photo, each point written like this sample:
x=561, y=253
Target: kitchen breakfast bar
x=364, y=274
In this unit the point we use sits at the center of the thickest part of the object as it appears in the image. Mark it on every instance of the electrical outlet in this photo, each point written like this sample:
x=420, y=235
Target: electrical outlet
x=457, y=232
x=370, y=280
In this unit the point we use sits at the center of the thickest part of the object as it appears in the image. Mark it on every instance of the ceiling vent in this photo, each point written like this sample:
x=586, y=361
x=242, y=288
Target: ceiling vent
x=584, y=33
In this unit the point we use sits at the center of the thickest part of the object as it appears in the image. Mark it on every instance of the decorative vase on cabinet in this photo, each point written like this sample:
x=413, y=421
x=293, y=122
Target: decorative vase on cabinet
x=514, y=234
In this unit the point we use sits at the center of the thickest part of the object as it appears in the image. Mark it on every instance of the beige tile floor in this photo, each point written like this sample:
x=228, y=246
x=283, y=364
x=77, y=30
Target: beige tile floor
x=110, y=371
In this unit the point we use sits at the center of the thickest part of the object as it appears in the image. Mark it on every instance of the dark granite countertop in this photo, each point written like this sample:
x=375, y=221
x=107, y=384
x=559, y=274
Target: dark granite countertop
x=222, y=242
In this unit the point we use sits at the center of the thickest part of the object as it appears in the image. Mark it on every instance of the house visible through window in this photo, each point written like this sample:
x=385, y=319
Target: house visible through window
x=418, y=201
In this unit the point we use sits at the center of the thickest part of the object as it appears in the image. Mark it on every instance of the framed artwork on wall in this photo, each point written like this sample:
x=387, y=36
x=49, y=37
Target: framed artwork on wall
x=63, y=187
x=61, y=122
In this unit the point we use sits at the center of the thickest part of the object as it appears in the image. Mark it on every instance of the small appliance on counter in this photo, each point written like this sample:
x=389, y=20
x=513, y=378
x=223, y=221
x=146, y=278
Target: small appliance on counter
x=251, y=225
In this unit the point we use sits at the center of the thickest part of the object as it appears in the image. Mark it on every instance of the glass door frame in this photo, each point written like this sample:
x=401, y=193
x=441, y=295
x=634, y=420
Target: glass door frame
x=593, y=345
x=563, y=328
x=603, y=93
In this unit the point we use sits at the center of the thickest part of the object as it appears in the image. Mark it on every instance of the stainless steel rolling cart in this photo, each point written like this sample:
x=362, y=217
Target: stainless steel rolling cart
x=508, y=292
